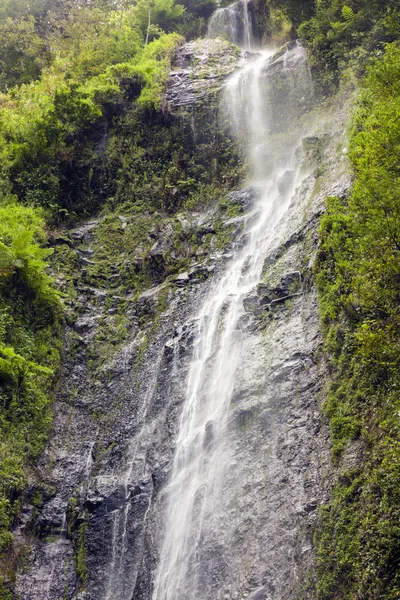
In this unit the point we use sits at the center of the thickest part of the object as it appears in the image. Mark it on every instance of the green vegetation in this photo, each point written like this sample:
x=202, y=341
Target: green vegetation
x=358, y=276
x=158, y=165
x=337, y=33
x=47, y=142
x=347, y=32
x=77, y=528
x=297, y=11
x=64, y=128
x=29, y=354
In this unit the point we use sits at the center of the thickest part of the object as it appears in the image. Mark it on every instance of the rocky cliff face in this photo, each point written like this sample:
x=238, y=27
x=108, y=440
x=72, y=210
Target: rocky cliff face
x=97, y=534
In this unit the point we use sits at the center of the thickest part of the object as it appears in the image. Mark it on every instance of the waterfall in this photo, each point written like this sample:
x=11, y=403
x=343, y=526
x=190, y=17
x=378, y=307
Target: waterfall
x=233, y=23
x=264, y=102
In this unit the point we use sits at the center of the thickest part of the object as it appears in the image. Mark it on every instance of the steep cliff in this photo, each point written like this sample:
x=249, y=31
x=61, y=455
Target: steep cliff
x=99, y=530
x=219, y=323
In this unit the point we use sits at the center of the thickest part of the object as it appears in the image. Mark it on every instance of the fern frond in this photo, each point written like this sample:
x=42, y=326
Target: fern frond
x=348, y=14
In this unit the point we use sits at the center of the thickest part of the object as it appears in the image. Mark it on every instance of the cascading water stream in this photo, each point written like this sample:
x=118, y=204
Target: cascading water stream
x=233, y=23
x=121, y=580
x=196, y=524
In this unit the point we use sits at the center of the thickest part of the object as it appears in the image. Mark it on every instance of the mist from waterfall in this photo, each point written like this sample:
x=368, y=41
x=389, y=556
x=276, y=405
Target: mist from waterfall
x=198, y=524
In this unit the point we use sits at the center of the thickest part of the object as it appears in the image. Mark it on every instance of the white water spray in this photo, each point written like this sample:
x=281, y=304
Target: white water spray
x=123, y=573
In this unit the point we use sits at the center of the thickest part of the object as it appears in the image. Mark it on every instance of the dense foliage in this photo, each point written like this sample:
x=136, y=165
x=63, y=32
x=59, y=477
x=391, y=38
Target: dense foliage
x=47, y=142
x=343, y=31
x=359, y=284
x=29, y=354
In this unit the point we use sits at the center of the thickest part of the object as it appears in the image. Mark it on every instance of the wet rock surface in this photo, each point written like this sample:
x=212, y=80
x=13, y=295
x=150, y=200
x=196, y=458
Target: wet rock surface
x=202, y=66
x=236, y=23
x=286, y=71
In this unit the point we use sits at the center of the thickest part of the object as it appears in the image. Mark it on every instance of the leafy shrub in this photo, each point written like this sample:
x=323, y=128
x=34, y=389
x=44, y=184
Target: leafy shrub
x=48, y=128
x=337, y=28
x=23, y=54
x=30, y=312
